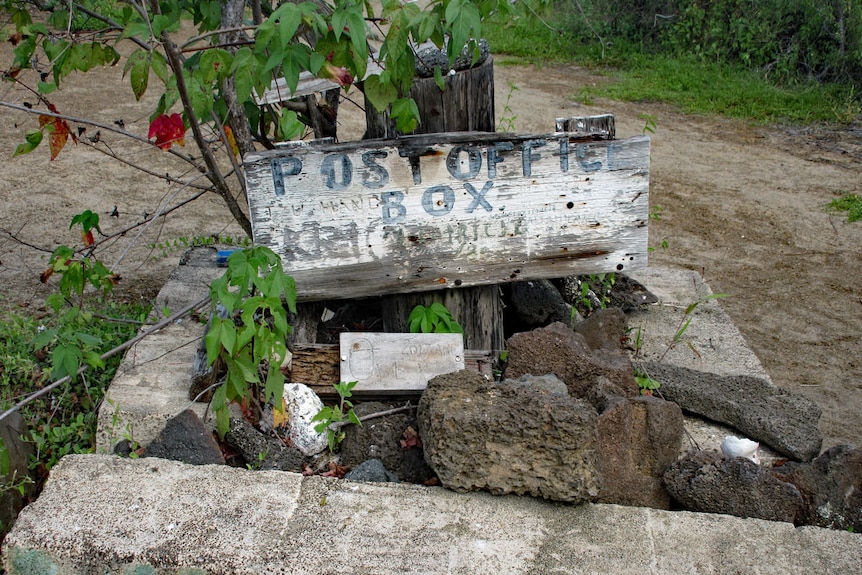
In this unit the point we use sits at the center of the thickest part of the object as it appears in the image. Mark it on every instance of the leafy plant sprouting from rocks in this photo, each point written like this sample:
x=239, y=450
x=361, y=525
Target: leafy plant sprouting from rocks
x=249, y=331
x=686, y=321
x=333, y=419
x=646, y=384
x=432, y=319
x=588, y=299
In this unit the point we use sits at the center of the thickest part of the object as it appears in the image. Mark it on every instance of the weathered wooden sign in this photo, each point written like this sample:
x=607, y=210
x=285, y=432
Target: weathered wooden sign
x=398, y=361
x=445, y=210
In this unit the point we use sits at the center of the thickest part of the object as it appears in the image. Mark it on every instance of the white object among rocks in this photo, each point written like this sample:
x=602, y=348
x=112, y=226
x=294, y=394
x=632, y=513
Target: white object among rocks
x=733, y=446
x=301, y=405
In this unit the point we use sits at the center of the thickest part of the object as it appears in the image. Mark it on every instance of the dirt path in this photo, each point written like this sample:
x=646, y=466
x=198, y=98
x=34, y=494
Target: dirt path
x=743, y=205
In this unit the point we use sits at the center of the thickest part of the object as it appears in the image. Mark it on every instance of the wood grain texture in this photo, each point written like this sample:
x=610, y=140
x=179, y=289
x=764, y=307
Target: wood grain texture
x=450, y=210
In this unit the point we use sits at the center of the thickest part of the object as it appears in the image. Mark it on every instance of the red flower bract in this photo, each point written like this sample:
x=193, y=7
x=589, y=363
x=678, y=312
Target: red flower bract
x=337, y=74
x=168, y=130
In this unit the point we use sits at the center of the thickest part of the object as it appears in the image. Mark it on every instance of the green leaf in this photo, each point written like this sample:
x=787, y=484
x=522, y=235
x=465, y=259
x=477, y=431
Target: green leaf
x=289, y=17
x=220, y=407
x=243, y=69
x=464, y=21
x=380, y=94
x=46, y=88
x=274, y=384
x=44, y=338
x=289, y=125
x=439, y=79
x=138, y=68
x=164, y=23
x=353, y=418
x=65, y=360
x=160, y=67
x=215, y=64
x=406, y=114
x=33, y=139
x=54, y=48
x=200, y=96
x=87, y=339
x=88, y=219
x=264, y=35
x=93, y=359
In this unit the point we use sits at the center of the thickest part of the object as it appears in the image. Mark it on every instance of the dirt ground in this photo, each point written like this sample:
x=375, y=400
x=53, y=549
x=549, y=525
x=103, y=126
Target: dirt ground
x=743, y=205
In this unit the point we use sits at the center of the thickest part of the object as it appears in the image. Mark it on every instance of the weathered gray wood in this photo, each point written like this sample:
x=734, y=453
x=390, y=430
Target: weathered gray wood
x=479, y=310
x=465, y=104
x=603, y=126
x=450, y=210
x=381, y=362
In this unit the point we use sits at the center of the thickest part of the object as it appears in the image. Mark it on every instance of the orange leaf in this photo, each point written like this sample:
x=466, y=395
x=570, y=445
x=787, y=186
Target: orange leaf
x=280, y=417
x=168, y=130
x=59, y=130
x=231, y=141
x=87, y=237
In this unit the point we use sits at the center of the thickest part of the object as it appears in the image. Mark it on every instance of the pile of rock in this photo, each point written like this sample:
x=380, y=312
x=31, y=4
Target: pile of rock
x=568, y=423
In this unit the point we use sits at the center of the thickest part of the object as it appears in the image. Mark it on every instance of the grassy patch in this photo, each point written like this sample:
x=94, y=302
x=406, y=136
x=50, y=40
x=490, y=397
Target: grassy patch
x=707, y=88
x=64, y=421
x=850, y=203
x=696, y=86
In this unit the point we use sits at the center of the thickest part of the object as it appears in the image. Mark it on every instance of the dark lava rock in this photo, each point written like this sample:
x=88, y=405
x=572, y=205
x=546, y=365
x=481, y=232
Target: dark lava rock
x=372, y=471
x=262, y=451
x=707, y=482
x=381, y=438
x=558, y=350
x=537, y=303
x=639, y=438
x=604, y=329
x=186, y=438
x=831, y=488
x=785, y=421
x=509, y=438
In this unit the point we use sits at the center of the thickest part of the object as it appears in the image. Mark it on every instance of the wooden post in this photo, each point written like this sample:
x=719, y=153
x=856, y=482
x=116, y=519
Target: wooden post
x=465, y=105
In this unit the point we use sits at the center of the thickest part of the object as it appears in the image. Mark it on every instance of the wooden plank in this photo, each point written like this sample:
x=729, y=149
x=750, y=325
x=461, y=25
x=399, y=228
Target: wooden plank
x=318, y=366
x=603, y=126
x=449, y=210
x=398, y=362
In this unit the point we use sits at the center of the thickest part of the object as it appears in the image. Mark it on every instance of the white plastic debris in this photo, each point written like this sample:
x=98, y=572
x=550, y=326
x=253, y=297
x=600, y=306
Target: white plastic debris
x=733, y=446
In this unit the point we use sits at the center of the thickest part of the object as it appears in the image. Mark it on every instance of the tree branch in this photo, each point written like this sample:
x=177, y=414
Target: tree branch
x=215, y=175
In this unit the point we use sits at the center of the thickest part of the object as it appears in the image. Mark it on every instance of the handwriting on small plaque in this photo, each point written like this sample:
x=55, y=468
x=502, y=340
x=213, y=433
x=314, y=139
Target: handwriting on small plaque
x=398, y=361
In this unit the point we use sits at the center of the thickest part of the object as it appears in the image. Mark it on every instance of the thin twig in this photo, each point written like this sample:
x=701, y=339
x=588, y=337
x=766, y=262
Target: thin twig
x=394, y=410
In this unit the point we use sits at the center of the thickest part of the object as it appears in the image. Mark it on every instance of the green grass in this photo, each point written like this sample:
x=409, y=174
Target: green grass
x=850, y=203
x=695, y=86
x=62, y=422
x=709, y=88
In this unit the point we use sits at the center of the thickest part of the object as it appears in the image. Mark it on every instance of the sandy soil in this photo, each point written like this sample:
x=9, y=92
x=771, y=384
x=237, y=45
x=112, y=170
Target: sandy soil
x=743, y=205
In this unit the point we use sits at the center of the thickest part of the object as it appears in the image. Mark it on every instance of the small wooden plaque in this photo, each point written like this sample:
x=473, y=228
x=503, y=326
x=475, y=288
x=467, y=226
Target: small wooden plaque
x=398, y=361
